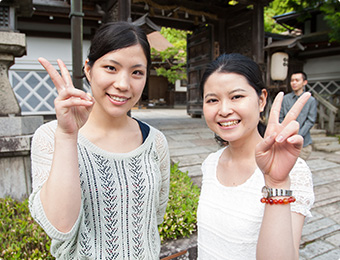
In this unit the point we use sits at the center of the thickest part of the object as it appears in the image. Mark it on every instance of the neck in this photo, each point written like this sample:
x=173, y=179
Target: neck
x=299, y=92
x=245, y=147
x=105, y=122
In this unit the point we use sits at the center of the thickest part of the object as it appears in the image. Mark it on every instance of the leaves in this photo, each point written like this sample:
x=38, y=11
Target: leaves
x=180, y=218
x=330, y=9
x=20, y=236
x=173, y=59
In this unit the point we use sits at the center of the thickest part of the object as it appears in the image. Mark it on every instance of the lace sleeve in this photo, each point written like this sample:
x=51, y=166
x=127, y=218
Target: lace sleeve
x=302, y=186
x=163, y=152
x=42, y=154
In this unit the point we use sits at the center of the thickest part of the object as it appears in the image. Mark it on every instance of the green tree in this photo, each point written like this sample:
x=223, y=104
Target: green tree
x=173, y=58
x=275, y=7
x=330, y=9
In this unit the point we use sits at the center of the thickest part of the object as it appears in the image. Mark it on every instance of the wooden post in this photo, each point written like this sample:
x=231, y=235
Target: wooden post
x=124, y=10
x=76, y=16
x=258, y=33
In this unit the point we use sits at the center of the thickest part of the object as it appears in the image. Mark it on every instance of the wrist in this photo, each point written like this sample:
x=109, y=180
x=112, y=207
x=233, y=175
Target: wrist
x=62, y=135
x=278, y=184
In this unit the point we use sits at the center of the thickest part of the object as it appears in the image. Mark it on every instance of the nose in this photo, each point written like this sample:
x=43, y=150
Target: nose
x=122, y=81
x=225, y=109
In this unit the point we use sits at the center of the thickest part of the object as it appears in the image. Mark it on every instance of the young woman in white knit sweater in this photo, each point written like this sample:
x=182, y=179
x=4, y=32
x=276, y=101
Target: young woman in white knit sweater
x=236, y=220
x=100, y=177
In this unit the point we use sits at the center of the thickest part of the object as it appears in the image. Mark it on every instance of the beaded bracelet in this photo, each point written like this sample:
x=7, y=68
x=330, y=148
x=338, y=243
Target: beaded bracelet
x=278, y=201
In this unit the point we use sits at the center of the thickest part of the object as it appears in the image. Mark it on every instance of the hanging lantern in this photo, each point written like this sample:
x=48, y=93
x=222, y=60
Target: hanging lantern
x=279, y=66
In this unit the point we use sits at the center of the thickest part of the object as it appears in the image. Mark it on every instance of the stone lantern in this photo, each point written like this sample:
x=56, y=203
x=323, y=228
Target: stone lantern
x=15, y=130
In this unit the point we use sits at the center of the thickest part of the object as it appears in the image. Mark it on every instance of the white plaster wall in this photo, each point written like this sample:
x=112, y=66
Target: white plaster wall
x=323, y=68
x=49, y=48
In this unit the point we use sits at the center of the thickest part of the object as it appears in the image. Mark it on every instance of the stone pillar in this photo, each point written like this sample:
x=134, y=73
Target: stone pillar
x=15, y=130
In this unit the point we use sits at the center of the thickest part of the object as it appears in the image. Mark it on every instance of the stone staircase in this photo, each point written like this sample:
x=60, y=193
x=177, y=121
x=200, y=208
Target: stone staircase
x=324, y=143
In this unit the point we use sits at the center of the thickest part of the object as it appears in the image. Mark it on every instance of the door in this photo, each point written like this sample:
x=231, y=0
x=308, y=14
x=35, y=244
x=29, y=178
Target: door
x=200, y=51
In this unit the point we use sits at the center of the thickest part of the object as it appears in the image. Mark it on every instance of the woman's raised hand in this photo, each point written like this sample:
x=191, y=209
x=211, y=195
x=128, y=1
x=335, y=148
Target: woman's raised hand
x=276, y=154
x=72, y=105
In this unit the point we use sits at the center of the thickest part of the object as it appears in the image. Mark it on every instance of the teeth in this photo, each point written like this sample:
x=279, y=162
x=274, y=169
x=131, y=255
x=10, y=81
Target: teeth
x=119, y=99
x=229, y=123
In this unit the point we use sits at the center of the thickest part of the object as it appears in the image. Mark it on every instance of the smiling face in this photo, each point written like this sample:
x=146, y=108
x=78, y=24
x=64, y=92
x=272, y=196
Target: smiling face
x=117, y=80
x=231, y=106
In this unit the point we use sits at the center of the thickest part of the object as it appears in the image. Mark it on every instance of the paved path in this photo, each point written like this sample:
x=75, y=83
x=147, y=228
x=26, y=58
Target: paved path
x=190, y=141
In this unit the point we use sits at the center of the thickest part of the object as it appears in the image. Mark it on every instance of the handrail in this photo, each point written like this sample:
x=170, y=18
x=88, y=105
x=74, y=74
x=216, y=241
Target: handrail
x=329, y=115
x=324, y=102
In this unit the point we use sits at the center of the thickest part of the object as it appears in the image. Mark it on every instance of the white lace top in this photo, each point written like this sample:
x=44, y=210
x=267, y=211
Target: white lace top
x=229, y=218
x=124, y=197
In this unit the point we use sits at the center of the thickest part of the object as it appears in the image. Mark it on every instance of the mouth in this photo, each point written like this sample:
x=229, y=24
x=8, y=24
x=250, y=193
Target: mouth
x=229, y=123
x=118, y=99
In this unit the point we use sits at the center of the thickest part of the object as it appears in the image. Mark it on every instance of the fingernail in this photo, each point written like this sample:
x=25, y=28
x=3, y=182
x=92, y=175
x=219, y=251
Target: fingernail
x=279, y=139
x=290, y=139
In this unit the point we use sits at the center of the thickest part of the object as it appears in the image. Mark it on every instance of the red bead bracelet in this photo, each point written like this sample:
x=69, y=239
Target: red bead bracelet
x=272, y=201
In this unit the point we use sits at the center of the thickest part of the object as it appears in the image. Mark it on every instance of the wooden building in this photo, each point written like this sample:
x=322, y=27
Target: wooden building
x=217, y=25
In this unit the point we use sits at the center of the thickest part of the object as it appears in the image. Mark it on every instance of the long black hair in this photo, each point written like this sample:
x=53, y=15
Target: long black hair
x=242, y=65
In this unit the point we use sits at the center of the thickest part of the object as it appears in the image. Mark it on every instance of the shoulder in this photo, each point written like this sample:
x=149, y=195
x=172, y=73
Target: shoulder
x=288, y=95
x=46, y=130
x=301, y=175
x=158, y=138
x=156, y=133
x=212, y=159
x=311, y=100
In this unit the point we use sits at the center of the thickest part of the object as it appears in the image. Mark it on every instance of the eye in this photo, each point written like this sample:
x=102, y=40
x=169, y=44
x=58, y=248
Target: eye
x=237, y=97
x=110, y=68
x=139, y=73
x=211, y=100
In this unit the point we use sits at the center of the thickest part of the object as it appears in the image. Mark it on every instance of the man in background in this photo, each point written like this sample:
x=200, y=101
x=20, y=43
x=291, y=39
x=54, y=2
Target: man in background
x=308, y=114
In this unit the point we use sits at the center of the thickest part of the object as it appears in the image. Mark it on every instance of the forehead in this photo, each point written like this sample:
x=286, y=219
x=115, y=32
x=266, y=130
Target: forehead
x=297, y=76
x=131, y=54
x=222, y=81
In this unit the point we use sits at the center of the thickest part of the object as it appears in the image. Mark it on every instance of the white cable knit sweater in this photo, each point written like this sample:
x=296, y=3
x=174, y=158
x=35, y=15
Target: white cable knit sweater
x=229, y=218
x=124, y=197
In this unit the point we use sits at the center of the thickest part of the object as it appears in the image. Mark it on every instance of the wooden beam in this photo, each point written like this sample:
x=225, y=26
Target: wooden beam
x=124, y=10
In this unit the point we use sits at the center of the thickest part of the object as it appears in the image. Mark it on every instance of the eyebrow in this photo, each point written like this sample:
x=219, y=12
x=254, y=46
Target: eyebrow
x=230, y=92
x=119, y=64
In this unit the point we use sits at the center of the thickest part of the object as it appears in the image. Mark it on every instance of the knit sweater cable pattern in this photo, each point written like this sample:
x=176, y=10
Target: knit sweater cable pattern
x=124, y=197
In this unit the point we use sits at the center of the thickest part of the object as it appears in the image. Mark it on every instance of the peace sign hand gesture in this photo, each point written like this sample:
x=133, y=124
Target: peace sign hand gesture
x=72, y=105
x=277, y=153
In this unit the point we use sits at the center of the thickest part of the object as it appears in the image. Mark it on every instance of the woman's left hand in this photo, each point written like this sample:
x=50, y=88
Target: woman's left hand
x=277, y=153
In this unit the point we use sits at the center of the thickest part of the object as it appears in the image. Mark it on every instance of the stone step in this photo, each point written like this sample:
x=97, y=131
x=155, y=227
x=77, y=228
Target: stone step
x=318, y=132
x=325, y=140
x=329, y=148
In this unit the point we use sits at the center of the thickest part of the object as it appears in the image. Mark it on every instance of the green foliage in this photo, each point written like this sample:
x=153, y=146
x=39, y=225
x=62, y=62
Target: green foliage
x=180, y=216
x=174, y=58
x=20, y=236
x=275, y=7
x=330, y=9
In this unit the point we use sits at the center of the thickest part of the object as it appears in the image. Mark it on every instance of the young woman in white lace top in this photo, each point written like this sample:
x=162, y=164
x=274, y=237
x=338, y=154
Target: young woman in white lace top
x=100, y=177
x=235, y=219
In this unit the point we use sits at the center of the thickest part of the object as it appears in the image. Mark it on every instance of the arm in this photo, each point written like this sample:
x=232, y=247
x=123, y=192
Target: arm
x=276, y=155
x=311, y=118
x=61, y=194
x=163, y=151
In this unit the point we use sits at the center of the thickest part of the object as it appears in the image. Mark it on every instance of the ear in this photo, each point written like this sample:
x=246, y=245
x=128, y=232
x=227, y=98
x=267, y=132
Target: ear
x=87, y=70
x=263, y=99
x=305, y=82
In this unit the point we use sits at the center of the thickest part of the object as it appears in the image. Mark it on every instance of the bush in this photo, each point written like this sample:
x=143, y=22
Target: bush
x=180, y=216
x=22, y=238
